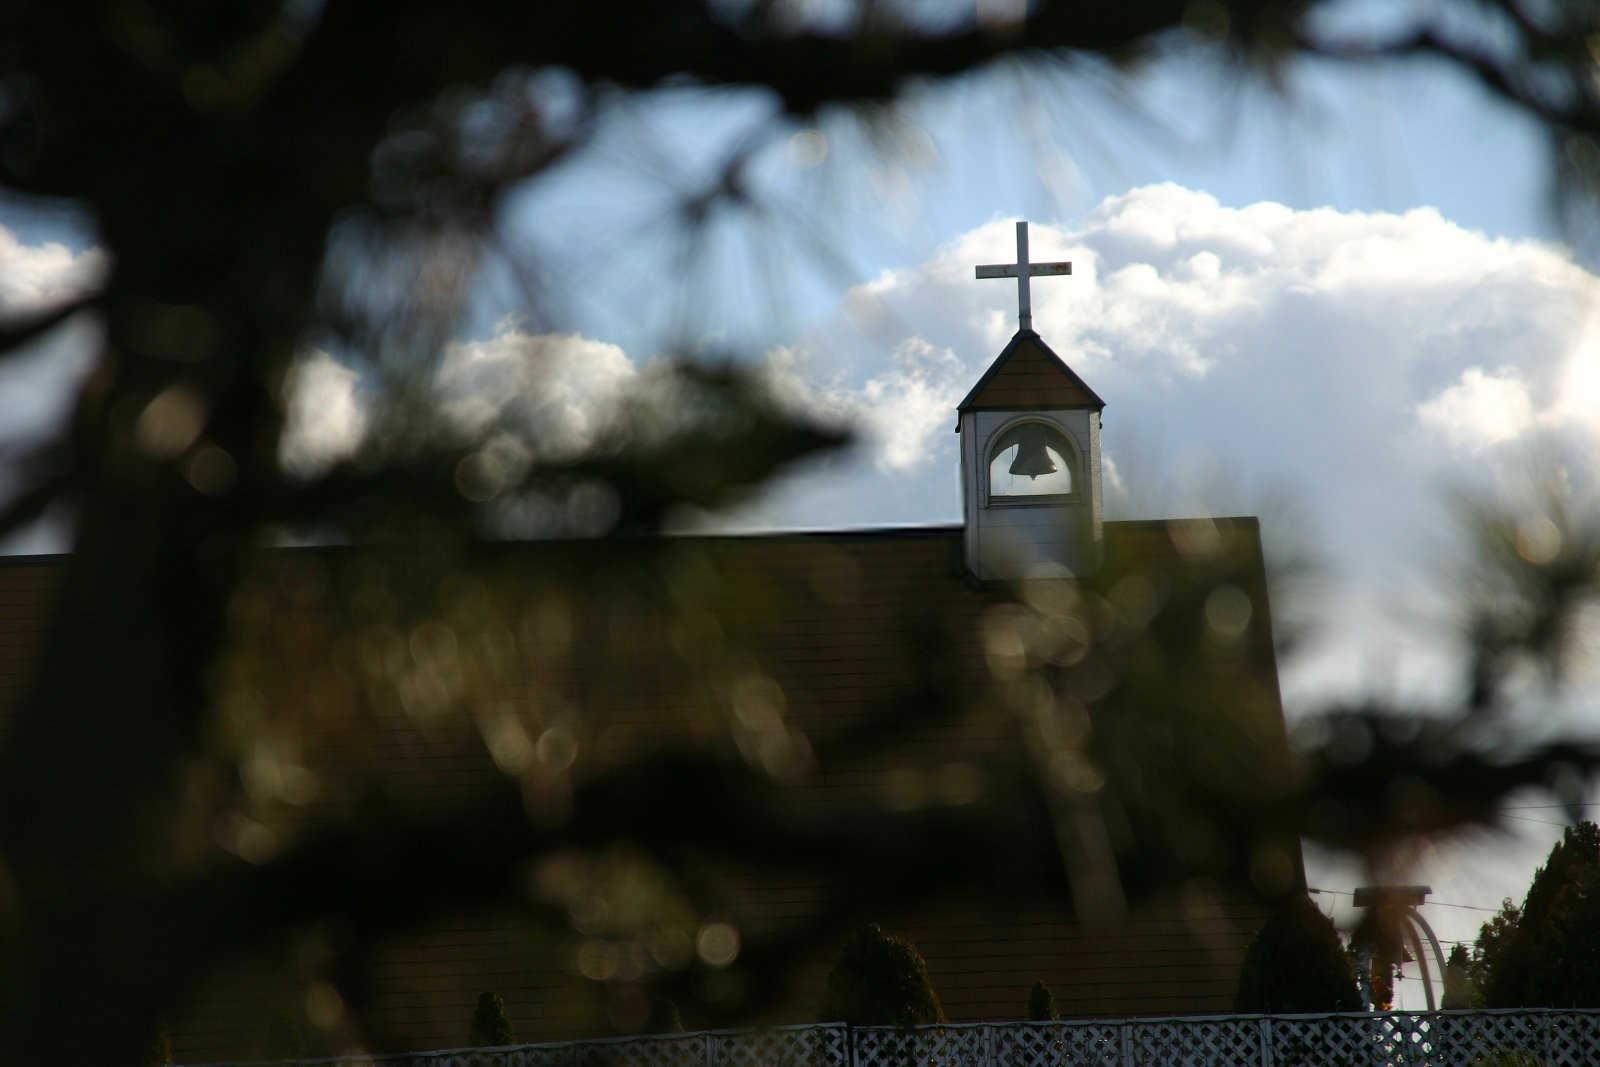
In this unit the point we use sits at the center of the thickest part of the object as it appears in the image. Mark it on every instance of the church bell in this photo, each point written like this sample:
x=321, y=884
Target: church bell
x=1032, y=460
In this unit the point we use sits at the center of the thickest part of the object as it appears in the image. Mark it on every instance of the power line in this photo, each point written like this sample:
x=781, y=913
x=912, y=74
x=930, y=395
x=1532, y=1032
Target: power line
x=1426, y=903
x=1541, y=822
x=1468, y=907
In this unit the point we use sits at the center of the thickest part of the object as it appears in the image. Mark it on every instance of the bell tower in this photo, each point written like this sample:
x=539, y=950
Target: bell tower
x=1030, y=452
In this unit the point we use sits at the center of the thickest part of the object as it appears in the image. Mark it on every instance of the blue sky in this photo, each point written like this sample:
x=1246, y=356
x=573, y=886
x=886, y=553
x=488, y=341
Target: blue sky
x=1384, y=137
x=1326, y=305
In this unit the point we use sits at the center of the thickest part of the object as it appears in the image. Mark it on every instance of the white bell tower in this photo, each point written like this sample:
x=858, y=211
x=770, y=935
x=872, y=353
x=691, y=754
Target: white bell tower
x=1030, y=452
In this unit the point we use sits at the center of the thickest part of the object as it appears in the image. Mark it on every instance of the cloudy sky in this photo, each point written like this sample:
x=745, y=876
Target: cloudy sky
x=1332, y=309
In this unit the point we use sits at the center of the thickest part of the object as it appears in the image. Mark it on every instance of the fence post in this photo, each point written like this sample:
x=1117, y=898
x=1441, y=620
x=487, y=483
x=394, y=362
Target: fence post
x=1125, y=1037
x=708, y=1060
x=1265, y=1027
x=850, y=1043
x=988, y=1046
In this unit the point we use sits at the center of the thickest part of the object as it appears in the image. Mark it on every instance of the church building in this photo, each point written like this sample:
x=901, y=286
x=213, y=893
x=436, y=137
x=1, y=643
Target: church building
x=1129, y=664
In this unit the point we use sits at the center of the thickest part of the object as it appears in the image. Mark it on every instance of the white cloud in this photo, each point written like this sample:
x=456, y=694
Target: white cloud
x=37, y=390
x=326, y=418
x=556, y=390
x=1576, y=396
x=1481, y=409
x=902, y=411
x=36, y=276
x=1367, y=362
x=560, y=386
x=912, y=401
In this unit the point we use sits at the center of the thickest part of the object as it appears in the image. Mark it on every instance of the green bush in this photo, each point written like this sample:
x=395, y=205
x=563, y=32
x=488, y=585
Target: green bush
x=284, y=1037
x=881, y=980
x=1459, y=990
x=1041, y=1005
x=490, y=1027
x=1297, y=964
x=664, y=1017
x=159, y=1054
x=1546, y=954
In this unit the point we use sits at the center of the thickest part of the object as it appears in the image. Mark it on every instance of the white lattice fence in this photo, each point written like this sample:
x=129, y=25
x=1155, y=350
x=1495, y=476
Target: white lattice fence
x=790, y=1046
x=1391, y=1039
x=671, y=1050
x=1234, y=1042
x=921, y=1046
x=1087, y=1044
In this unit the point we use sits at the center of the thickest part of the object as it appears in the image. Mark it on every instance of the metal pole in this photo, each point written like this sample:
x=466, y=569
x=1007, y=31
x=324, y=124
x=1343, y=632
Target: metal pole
x=1438, y=953
x=1422, y=959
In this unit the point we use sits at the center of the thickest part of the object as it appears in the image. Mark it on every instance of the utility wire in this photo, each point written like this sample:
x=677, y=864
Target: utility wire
x=1540, y=822
x=1426, y=903
x=1545, y=807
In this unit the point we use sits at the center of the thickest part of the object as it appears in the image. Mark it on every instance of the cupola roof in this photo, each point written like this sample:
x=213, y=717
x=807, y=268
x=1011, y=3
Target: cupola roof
x=1028, y=375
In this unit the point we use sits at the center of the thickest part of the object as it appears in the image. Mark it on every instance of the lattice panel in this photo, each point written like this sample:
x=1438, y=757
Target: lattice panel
x=405, y=1059
x=678, y=1050
x=511, y=1056
x=1573, y=1037
x=505, y=1057
x=1396, y=1039
x=1569, y=1038
x=1057, y=1045
x=1334, y=1041
x=1467, y=1039
x=1196, y=1043
x=923, y=1046
x=549, y=1055
x=791, y=1046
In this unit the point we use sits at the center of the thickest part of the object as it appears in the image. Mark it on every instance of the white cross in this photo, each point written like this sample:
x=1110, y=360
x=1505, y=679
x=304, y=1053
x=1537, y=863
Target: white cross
x=1021, y=270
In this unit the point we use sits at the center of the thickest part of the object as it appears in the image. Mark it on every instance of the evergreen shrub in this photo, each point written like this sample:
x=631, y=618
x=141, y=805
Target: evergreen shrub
x=490, y=1027
x=881, y=980
x=1297, y=964
x=1041, y=1004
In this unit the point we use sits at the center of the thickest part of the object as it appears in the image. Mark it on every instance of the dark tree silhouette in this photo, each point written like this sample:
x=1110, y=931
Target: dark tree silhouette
x=1460, y=991
x=1041, y=1004
x=1546, y=954
x=881, y=980
x=1297, y=964
x=664, y=1017
x=490, y=1027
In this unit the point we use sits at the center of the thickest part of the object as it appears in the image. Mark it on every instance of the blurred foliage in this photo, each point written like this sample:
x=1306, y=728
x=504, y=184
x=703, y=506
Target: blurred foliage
x=268, y=176
x=1297, y=963
x=1544, y=954
x=1041, y=1004
x=1494, y=938
x=490, y=1027
x=664, y=1017
x=880, y=980
x=160, y=1052
x=1460, y=991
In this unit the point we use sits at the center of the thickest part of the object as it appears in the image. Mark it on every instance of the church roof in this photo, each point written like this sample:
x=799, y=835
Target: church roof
x=1028, y=374
x=840, y=623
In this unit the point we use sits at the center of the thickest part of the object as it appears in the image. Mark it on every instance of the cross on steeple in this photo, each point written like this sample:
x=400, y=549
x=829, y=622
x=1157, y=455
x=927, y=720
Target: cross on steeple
x=1021, y=270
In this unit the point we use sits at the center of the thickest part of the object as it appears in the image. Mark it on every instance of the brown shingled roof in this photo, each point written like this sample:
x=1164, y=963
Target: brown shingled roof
x=1028, y=374
x=836, y=620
